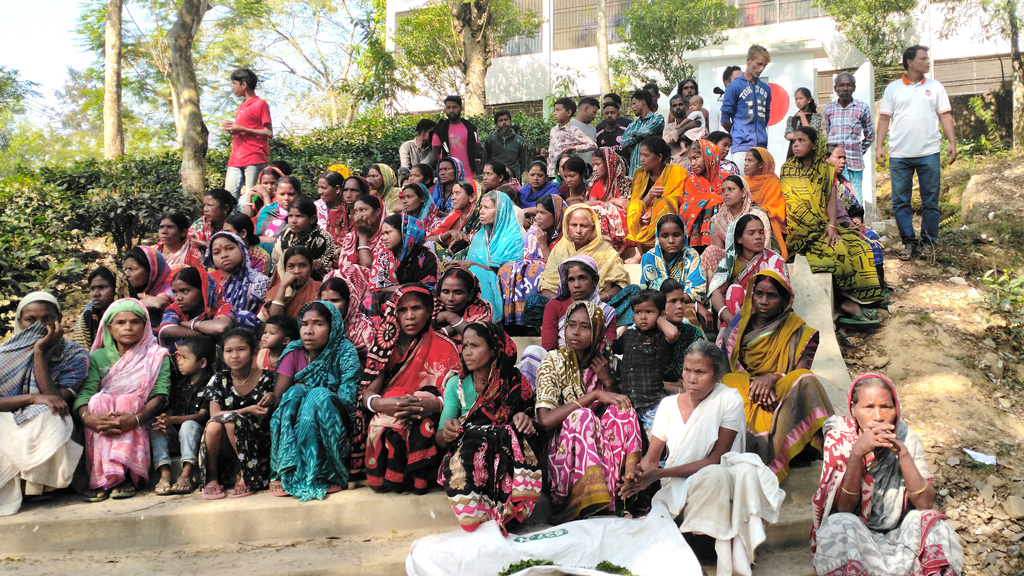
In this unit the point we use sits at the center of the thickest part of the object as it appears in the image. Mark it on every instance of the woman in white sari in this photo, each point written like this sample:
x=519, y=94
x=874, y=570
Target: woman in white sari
x=708, y=481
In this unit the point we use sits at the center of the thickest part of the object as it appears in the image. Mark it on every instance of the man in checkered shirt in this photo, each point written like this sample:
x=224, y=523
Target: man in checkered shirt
x=848, y=122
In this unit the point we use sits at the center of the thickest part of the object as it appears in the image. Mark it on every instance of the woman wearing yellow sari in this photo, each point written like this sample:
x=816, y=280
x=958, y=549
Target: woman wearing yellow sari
x=657, y=189
x=808, y=183
x=770, y=352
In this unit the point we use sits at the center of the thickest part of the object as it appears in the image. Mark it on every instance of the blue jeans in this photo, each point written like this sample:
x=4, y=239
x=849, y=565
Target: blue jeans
x=189, y=435
x=901, y=172
x=235, y=177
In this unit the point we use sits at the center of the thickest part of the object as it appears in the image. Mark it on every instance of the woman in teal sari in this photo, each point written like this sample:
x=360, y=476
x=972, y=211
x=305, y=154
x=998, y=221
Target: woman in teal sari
x=498, y=242
x=316, y=395
x=673, y=258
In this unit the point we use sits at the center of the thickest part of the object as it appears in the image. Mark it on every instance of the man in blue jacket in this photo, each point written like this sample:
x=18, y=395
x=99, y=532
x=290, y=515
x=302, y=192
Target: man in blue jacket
x=747, y=105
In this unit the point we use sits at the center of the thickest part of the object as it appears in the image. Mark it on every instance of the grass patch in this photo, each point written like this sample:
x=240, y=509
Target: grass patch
x=523, y=565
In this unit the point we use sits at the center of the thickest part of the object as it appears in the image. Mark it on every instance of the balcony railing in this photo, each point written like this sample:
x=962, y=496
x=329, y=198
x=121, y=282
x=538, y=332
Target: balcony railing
x=575, y=22
x=762, y=12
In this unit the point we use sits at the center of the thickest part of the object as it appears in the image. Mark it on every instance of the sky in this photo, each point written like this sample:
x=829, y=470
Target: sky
x=41, y=45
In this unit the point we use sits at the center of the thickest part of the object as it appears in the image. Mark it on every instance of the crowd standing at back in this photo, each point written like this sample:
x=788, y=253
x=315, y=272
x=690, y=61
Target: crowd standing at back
x=364, y=338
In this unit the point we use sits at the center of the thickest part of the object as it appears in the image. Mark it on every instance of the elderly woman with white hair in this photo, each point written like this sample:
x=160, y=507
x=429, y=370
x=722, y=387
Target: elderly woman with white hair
x=706, y=475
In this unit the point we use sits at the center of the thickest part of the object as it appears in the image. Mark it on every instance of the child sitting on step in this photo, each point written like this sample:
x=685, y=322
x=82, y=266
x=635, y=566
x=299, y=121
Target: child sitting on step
x=186, y=414
x=278, y=331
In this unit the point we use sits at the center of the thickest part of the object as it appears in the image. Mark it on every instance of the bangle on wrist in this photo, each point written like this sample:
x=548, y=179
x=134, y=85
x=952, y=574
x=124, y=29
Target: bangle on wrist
x=369, y=400
x=138, y=423
x=845, y=491
x=461, y=320
x=576, y=402
x=363, y=248
x=922, y=489
x=278, y=302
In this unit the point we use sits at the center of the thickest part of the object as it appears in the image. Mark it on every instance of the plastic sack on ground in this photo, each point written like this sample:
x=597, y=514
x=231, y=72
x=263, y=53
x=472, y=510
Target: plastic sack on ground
x=652, y=546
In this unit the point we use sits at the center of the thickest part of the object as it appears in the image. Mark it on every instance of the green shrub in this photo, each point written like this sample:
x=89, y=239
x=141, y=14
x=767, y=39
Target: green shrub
x=1005, y=298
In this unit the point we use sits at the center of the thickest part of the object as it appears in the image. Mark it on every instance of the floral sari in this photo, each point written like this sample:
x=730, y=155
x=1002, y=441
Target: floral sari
x=348, y=250
x=477, y=308
x=616, y=185
x=702, y=196
x=777, y=347
x=886, y=535
x=594, y=446
x=414, y=264
x=491, y=472
x=398, y=455
x=521, y=278
x=320, y=244
x=851, y=260
x=720, y=222
x=684, y=268
x=441, y=199
x=458, y=250
x=186, y=255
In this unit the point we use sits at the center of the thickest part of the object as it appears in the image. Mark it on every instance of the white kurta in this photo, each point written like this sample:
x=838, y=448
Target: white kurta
x=40, y=452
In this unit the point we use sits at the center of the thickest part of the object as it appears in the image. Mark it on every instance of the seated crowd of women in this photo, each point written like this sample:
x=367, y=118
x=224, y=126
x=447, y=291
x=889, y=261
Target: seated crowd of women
x=308, y=346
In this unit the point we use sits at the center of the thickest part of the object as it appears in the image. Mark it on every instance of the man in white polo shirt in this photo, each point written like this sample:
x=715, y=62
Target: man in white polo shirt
x=914, y=105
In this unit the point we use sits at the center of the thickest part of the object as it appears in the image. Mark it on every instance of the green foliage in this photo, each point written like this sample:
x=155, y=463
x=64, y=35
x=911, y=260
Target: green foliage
x=523, y=565
x=987, y=143
x=606, y=566
x=14, y=90
x=875, y=27
x=656, y=34
x=1005, y=298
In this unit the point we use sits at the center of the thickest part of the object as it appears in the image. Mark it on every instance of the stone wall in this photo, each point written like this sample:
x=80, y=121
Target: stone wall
x=968, y=125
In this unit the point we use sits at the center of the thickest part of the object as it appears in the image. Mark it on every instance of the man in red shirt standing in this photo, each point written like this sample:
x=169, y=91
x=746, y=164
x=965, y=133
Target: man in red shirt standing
x=251, y=132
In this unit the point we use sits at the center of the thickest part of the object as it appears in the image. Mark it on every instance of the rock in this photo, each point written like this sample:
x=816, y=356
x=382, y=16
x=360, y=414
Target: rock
x=1005, y=404
x=958, y=280
x=1014, y=506
x=953, y=514
x=953, y=461
x=1016, y=537
x=997, y=369
x=990, y=343
x=987, y=493
x=995, y=481
x=953, y=271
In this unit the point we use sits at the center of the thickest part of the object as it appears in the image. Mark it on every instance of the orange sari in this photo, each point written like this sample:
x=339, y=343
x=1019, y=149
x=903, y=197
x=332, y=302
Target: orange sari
x=766, y=192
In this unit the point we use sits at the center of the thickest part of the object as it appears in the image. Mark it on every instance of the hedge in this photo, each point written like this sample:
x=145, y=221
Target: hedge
x=50, y=210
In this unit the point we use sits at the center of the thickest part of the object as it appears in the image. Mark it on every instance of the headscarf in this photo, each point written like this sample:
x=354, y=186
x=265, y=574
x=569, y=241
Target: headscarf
x=186, y=255
x=337, y=366
x=502, y=242
x=245, y=289
x=340, y=169
x=388, y=192
x=609, y=264
x=30, y=298
x=528, y=196
x=477, y=308
x=555, y=235
x=414, y=264
x=319, y=242
x=159, y=271
x=389, y=330
x=214, y=304
x=766, y=192
x=444, y=204
x=806, y=193
x=684, y=268
x=594, y=298
x=428, y=212
x=702, y=193
x=89, y=322
x=724, y=273
x=299, y=298
x=616, y=182
x=721, y=220
x=507, y=392
x=883, y=493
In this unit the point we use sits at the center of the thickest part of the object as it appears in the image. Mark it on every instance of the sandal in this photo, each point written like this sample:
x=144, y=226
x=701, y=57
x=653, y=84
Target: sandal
x=908, y=253
x=857, y=320
x=333, y=488
x=213, y=491
x=183, y=485
x=241, y=491
x=163, y=487
x=95, y=495
x=277, y=489
x=124, y=491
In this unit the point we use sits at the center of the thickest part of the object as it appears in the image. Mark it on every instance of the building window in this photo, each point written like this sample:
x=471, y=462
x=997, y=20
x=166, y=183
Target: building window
x=525, y=44
x=763, y=12
x=575, y=22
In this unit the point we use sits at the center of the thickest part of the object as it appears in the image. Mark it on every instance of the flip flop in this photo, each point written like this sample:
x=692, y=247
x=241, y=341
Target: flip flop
x=187, y=483
x=163, y=487
x=857, y=320
x=241, y=491
x=127, y=491
x=97, y=496
x=279, y=491
x=213, y=492
x=333, y=488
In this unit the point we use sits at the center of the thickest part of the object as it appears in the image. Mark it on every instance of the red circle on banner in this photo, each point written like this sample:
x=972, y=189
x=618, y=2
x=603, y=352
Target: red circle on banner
x=780, y=104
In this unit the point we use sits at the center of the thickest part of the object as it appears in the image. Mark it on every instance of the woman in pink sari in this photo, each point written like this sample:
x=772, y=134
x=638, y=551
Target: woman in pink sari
x=595, y=434
x=127, y=387
x=745, y=255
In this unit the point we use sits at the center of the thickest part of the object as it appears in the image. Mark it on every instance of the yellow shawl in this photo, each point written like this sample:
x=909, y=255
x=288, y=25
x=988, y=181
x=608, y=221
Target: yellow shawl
x=671, y=179
x=609, y=264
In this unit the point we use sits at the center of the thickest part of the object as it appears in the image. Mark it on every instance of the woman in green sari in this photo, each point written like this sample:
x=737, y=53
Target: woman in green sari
x=808, y=183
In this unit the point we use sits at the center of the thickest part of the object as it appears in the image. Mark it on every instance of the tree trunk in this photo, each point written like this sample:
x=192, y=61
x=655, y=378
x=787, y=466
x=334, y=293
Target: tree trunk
x=179, y=125
x=113, y=131
x=476, y=63
x=602, y=47
x=195, y=134
x=1018, y=77
x=332, y=96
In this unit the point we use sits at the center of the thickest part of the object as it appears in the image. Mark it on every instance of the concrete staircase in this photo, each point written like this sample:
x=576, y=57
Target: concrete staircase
x=351, y=532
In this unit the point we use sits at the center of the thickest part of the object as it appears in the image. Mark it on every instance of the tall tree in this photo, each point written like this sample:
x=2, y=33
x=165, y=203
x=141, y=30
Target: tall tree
x=113, y=131
x=602, y=46
x=14, y=90
x=451, y=42
x=656, y=34
x=878, y=28
x=987, y=20
x=195, y=135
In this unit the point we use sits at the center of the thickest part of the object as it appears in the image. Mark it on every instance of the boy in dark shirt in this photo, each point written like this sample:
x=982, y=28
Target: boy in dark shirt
x=645, y=347
x=675, y=312
x=186, y=415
